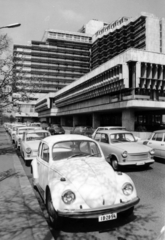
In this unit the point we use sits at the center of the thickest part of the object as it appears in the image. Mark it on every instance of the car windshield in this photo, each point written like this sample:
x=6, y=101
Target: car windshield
x=122, y=137
x=75, y=148
x=36, y=136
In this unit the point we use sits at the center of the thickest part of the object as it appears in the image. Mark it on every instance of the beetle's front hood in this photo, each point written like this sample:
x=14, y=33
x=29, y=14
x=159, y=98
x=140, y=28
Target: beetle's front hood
x=92, y=178
x=132, y=147
x=33, y=144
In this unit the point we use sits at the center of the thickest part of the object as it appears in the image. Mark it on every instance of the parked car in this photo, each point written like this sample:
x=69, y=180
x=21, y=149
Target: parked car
x=108, y=128
x=77, y=182
x=19, y=135
x=157, y=142
x=82, y=130
x=55, y=129
x=30, y=142
x=121, y=149
x=13, y=131
x=35, y=124
x=112, y=128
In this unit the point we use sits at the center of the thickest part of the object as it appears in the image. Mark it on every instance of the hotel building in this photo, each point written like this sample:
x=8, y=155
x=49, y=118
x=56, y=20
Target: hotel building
x=123, y=83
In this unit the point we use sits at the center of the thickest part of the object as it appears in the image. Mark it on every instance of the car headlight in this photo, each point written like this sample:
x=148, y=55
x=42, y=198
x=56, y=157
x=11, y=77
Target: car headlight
x=152, y=152
x=68, y=197
x=127, y=189
x=28, y=150
x=124, y=154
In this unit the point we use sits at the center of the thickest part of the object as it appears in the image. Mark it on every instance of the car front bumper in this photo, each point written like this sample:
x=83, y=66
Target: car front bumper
x=95, y=213
x=137, y=163
x=30, y=157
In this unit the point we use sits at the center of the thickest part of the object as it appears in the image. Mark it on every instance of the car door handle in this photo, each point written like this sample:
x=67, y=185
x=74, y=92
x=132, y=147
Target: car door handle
x=162, y=144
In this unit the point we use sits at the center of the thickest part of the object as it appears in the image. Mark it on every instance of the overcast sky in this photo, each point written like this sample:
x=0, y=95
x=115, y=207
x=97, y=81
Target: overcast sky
x=36, y=16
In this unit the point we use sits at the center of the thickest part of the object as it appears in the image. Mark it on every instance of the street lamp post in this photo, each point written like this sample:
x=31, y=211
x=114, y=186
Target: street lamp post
x=13, y=25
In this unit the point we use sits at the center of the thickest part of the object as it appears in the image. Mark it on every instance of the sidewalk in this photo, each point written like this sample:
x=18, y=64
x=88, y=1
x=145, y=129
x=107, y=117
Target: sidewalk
x=20, y=214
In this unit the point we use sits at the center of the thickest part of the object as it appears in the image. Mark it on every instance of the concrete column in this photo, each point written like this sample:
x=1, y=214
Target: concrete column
x=138, y=74
x=128, y=119
x=95, y=120
x=125, y=74
x=75, y=120
x=62, y=121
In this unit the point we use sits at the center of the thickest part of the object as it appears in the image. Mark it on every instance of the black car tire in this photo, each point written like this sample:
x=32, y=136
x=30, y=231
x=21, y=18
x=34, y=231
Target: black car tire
x=53, y=216
x=115, y=164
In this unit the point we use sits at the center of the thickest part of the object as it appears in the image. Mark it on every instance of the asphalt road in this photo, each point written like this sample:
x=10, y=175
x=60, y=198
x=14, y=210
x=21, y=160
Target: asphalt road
x=145, y=224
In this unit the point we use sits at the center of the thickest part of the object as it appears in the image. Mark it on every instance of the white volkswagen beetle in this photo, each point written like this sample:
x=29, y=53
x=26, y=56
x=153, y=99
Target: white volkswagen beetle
x=77, y=181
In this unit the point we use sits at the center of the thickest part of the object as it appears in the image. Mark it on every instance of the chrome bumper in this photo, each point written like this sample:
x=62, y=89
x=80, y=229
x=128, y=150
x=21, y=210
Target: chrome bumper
x=94, y=213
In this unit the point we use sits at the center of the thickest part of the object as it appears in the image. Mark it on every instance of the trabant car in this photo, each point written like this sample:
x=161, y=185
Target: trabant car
x=77, y=182
x=157, y=142
x=19, y=135
x=29, y=143
x=120, y=148
x=13, y=131
x=108, y=128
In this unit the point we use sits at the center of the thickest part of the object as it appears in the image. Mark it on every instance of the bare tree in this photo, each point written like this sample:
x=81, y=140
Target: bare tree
x=16, y=83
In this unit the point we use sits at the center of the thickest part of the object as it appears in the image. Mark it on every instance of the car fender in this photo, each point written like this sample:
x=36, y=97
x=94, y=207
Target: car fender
x=123, y=178
x=34, y=168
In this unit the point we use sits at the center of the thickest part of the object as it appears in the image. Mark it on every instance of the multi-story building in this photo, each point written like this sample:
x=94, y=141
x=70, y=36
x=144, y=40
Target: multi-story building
x=126, y=82
x=60, y=58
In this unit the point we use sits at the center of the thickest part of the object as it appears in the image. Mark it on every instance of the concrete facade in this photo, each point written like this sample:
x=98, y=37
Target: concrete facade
x=131, y=82
x=123, y=83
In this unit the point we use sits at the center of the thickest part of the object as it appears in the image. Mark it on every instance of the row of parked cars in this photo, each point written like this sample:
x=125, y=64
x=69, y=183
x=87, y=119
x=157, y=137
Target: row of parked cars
x=75, y=179
x=73, y=173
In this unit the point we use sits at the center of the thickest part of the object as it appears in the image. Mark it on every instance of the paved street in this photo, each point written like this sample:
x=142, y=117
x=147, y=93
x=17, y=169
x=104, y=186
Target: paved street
x=149, y=214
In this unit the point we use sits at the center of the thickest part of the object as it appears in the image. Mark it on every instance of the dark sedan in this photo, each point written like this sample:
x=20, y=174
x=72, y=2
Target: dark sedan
x=56, y=129
x=83, y=130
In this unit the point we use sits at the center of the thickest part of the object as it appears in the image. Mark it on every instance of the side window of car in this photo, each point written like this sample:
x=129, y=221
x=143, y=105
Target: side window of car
x=154, y=137
x=45, y=152
x=97, y=137
x=158, y=137
x=104, y=138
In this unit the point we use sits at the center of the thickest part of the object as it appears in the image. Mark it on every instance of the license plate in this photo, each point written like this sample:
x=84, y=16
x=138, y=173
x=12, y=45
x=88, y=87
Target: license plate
x=107, y=217
x=140, y=163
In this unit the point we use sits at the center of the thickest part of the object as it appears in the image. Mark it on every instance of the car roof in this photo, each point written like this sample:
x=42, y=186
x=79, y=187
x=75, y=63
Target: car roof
x=111, y=127
x=113, y=131
x=65, y=137
x=36, y=130
x=161, y=131
x=26, y=127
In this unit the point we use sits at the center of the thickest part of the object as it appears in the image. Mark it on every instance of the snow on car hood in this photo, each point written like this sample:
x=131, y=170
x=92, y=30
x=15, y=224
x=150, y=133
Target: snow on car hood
x=33, y=144
x=92, y=177
x=132, y=147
